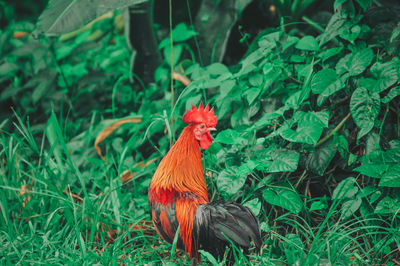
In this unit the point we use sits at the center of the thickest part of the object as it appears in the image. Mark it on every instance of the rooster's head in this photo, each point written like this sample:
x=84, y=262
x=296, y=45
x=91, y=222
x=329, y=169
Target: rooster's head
x=204, y=121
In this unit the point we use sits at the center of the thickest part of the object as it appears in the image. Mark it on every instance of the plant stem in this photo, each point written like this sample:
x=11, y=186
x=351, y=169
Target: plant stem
x=336, y=129
x=318, y=27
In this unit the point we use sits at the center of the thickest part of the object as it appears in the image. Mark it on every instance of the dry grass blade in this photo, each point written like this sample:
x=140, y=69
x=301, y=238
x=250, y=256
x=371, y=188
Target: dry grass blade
x=181, y=78
x=127, y=174
x=109, y=130
x=25, y=193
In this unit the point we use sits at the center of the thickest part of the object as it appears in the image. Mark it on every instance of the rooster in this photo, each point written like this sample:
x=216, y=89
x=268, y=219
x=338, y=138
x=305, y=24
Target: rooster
x=178, y=196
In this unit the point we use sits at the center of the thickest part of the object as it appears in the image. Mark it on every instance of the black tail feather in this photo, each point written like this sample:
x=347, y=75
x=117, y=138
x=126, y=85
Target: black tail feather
x=216, y=221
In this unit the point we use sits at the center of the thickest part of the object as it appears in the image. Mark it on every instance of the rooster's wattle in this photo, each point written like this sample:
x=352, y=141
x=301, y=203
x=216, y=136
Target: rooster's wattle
x=178, y=196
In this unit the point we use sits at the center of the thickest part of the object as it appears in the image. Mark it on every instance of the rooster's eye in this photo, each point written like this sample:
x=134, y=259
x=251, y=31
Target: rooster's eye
x=202, y=126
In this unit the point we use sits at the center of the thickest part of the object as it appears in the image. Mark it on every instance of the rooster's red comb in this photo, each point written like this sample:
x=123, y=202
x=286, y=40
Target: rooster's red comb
x=201, y=115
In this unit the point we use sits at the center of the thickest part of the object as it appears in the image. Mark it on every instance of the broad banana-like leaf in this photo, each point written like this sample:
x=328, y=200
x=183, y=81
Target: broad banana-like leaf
x=63, y=16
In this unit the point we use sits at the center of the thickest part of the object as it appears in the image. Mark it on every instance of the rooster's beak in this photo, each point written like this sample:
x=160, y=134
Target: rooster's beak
x=212, y=129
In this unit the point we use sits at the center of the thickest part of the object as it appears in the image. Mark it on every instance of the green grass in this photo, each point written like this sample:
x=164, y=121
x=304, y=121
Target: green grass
x=55, y=211
x=286, y=146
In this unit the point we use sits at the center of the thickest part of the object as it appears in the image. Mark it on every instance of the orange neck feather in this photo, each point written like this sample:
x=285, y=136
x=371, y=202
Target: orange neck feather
x=181, y=170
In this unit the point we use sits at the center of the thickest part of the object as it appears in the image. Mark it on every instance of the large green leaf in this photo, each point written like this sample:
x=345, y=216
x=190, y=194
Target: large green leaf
x=176, y=53
x=372, y=169
x=229, y=136
x=386, y=75
x=391, y=178
x=56, y=141
x=336, y=25
x=364, y=108
x=283, y=197
x=390, y=96
x=180, y=33
x=364, y=3
x=309, y=127
x=326, y=82
x=254, y=205
x=350, y=206
x=62, y=16
x=275, y=160
x=319, y=160
x=284, y=161
x=345, y=189
x=355, y=63
x=388, y=205
x=294, y=249
x=307, y=43
x=229, y=181
x=251, y=94
x=323, y=79
x=383, y=164
x=328, y=53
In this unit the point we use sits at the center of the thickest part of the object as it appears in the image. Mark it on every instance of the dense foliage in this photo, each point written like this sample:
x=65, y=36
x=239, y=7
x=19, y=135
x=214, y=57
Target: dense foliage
x=308, y=138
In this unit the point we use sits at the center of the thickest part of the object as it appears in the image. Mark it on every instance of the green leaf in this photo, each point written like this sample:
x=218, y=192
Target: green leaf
x=294, y=249
x=336, y=25
x=209, y=257
x=307, y=43
x=372, y=143
x=351, y=34
x=177, y=51
x=328, y=53
x=318, y=161
x=251, y=94
x=338, y=3
x=364, y=108
x=63, y=16
x=345, y=189
x=326, y=82
x=323, y=79
x=8, y=69
x=182, y=32
x=284, y=161
x=56, y=141
x=248, y=62
x=283, y=197
x=364, y=3
x=45, y=80
x=193, y=100
x=355, y=63
x=246, y=168
x=388, y=205
x=395, y=33
x=372, y=169
x=350, y=206
x=391, y=95
x=382, y=164
x=256, y=79
x=115, y=186
x=386, y=75
x=254, y=205
x=229, y=136
x=74, y=71
x=229, y=182
x=226, y=87
x=375, y=196
x=309, y=128
x=318, y=205
x=342, y=145
x=218, y=69
x=65, y=50
x=391, y=178
x=269, y=41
